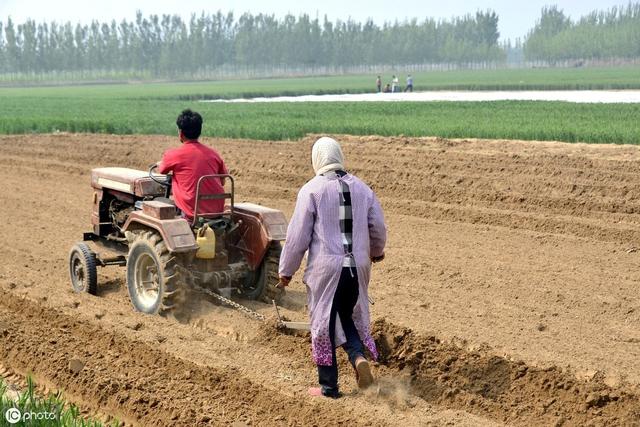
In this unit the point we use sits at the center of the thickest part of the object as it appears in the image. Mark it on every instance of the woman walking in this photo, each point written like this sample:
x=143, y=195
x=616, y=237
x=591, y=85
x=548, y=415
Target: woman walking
x=338, y=219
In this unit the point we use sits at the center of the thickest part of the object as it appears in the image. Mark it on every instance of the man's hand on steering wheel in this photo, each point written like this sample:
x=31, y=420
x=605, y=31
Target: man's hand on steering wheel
x=165, y=183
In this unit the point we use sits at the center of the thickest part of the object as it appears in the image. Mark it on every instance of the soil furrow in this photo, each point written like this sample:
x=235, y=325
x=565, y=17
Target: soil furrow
x=137, y=382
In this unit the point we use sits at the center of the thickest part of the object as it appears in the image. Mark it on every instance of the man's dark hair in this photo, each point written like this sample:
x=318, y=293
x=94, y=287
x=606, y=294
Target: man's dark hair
x=190, y=123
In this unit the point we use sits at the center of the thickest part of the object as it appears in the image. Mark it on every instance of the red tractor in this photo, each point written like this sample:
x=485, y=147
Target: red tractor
x=135, y=220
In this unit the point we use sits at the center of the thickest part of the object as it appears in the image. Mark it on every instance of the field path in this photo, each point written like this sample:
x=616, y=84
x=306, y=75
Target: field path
x=576, y=96
x=507, y=250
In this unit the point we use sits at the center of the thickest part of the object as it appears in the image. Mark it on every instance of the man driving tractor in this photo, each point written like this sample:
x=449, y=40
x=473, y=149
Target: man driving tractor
x=189, y=163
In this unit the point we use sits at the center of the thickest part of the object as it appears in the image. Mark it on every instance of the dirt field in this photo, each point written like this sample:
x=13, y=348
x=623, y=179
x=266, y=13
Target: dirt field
x=509, y=294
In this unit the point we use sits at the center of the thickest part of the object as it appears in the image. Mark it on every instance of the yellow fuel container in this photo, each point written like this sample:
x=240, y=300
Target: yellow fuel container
x=206, y=240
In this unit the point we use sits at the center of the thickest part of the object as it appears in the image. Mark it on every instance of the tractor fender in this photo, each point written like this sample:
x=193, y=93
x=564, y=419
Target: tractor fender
x=175, y=232
x=259, y=227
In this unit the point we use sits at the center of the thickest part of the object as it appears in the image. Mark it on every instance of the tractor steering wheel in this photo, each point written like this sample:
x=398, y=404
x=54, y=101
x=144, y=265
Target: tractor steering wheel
x=166, y=183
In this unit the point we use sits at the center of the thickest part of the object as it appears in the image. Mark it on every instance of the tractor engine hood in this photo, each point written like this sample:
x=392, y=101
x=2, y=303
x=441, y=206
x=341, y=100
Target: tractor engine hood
x=130, y=181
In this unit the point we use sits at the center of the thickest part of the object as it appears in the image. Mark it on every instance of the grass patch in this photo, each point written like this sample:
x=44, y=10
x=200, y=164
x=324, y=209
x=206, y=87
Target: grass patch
x=34, y=411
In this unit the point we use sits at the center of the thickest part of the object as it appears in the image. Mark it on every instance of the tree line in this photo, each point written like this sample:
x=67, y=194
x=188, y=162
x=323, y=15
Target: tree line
x=612, y=33
x=167, y=45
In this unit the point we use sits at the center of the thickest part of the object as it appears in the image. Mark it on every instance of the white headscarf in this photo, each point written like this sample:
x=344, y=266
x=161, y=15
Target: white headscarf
x=326, y=155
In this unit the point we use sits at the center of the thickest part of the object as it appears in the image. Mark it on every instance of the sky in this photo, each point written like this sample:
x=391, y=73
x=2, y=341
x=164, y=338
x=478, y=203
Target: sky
x=516, y=17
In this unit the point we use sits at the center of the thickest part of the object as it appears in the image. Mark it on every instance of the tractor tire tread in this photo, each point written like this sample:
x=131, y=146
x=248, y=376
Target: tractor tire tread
x=174, y=287
x=272, y=262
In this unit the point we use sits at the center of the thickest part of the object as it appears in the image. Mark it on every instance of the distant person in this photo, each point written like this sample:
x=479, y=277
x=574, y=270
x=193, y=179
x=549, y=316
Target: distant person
x=409, y=87
x=189, y=163
x=395, y=84
x=387, y=88
x=379, y=84
x=339, y=221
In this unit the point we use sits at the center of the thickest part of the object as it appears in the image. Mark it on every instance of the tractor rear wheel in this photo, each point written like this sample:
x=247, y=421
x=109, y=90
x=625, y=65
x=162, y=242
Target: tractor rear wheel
x=154, y=277
x=261, y=285
x=83, y=269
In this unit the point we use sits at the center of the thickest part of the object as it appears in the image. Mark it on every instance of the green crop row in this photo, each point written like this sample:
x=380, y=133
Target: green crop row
x=596, y=123
x=151, y=109
x=517, y=79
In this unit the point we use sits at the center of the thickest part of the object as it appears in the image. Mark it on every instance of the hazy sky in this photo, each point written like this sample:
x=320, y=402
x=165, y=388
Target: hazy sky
x=516, y=17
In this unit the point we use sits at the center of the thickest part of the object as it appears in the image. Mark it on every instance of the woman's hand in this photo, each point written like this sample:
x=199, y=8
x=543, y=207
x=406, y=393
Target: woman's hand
x=284, y=282
x=375, y=259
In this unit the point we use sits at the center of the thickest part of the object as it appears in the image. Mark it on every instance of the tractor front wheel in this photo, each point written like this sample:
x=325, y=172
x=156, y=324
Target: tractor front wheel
x=82, y=269
x=154, y=279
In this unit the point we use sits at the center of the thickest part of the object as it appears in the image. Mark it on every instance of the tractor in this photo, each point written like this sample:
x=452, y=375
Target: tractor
x=234, y=253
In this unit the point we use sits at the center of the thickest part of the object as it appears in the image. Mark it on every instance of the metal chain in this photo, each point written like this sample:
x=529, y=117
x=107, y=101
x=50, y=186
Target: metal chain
x=243, y=309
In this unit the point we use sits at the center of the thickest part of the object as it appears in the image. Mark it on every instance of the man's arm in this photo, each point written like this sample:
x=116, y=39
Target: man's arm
x=167, y=163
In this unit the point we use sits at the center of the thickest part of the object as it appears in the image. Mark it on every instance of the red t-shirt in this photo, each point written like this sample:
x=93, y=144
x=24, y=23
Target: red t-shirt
x=189, y=163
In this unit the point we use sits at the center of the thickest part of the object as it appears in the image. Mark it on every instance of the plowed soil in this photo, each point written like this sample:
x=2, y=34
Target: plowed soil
x=509, y=294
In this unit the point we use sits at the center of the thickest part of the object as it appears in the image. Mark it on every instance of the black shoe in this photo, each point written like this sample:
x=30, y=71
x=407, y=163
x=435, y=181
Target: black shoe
x=333, y=394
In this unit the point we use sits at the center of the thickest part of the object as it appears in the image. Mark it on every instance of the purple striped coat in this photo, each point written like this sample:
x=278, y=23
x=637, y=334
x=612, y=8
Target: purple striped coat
x=315, y=226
